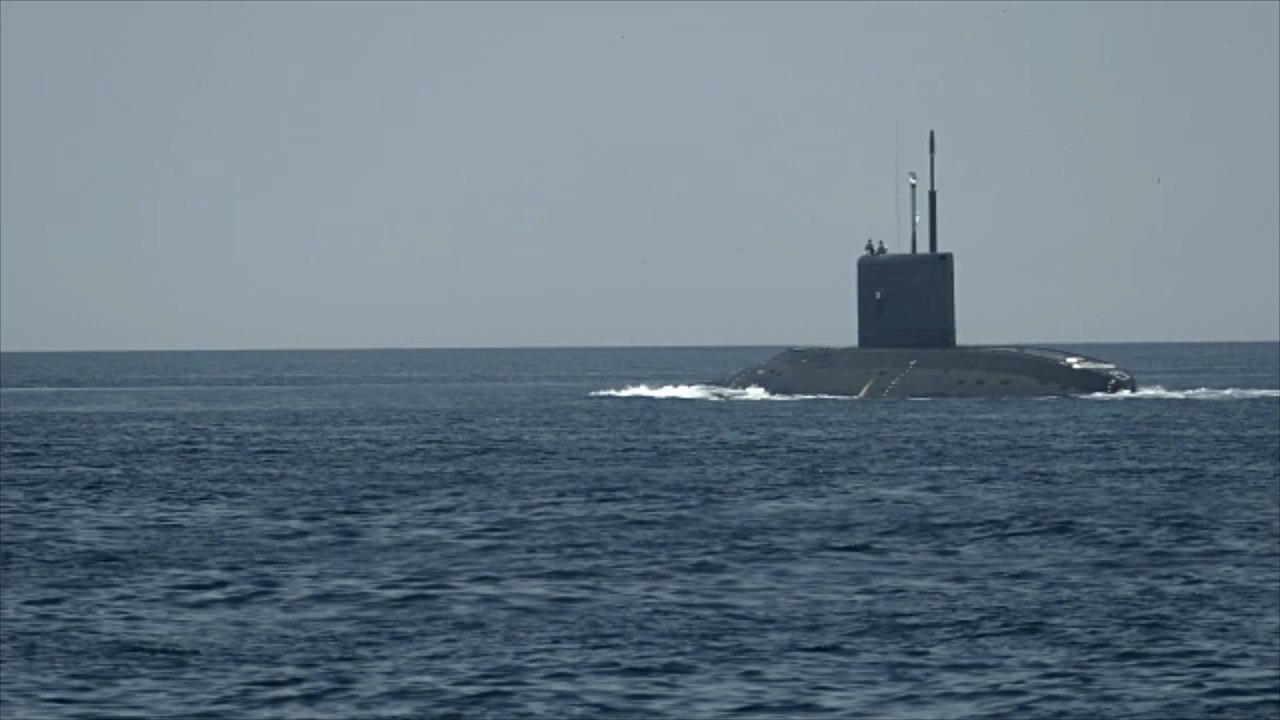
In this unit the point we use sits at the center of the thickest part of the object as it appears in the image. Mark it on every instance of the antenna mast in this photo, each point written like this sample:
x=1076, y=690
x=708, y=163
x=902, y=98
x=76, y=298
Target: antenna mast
x=911, y=179
x=897, y=192
x=933, y=202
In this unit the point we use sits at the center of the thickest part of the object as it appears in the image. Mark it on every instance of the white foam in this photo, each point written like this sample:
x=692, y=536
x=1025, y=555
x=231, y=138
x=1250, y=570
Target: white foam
x=706, y=392
x=1156, y=392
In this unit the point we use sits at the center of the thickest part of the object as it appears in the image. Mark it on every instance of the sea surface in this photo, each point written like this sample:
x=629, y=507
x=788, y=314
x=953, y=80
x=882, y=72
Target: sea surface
x=601, y=533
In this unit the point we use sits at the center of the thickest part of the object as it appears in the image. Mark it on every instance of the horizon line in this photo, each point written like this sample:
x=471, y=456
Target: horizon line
x=578, y=346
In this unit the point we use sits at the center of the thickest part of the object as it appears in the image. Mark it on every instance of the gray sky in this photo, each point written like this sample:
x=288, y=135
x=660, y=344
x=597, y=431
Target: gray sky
x=297, y=175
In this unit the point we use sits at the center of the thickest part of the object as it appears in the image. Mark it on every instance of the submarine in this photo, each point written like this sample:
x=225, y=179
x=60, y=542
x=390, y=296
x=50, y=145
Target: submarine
x=907, y=340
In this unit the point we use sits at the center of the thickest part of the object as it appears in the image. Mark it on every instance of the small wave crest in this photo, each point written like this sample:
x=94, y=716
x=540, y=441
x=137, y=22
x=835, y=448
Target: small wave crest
x=705, y=392
x=1157, y=392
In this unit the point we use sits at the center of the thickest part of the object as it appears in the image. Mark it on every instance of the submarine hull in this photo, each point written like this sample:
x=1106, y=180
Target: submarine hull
x=977, y=371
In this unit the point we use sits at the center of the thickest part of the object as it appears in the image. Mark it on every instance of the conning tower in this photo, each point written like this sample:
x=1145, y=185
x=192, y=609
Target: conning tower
x=908, y=301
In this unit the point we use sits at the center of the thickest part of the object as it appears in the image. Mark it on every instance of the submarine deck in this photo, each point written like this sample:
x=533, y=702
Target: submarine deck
x=966, y=371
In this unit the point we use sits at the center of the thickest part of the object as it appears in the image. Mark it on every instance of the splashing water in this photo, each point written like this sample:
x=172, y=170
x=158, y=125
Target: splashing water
x=706, y=392
x=1156, y=392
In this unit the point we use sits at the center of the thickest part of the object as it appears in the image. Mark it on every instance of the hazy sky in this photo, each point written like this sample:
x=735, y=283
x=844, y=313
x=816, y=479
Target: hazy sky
x=298, y=175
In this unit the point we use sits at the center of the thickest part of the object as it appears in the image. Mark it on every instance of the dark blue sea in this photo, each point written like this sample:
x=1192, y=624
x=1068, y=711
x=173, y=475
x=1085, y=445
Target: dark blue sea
x=594, y=533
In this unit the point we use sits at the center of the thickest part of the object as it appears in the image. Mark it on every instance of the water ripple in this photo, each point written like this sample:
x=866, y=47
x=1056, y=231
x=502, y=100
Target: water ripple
x=365, y=545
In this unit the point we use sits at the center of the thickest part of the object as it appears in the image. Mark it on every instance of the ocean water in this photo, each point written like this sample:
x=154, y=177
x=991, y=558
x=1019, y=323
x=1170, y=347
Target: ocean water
x=602, y=533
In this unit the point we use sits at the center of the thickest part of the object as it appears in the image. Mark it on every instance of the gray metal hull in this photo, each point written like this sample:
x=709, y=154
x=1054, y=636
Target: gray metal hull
x=953, y=372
